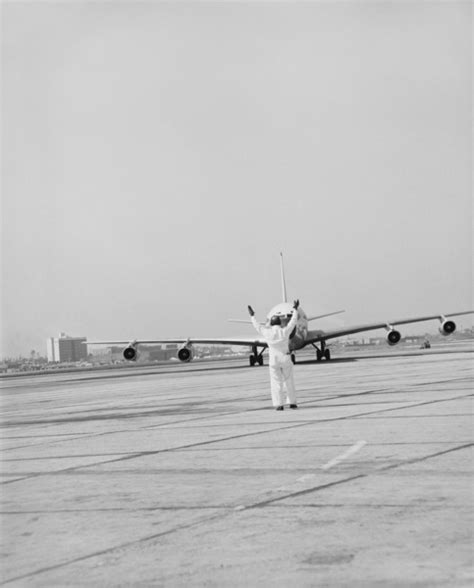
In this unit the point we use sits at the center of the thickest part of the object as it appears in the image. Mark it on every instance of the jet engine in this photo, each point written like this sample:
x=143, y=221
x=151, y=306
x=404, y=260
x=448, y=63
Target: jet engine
x=185, y=353
x=393, y=337
x=130, y=352
x=447, y=327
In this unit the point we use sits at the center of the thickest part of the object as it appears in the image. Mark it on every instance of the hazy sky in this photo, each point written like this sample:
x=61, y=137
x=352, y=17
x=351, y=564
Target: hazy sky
x=157, y=156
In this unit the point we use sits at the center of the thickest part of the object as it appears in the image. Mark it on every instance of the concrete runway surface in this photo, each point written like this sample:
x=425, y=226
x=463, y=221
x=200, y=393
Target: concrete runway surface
x=183, y=475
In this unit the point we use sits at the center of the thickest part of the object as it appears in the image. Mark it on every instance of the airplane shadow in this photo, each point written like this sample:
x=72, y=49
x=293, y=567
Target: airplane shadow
x=334, y=360
x=246, y=366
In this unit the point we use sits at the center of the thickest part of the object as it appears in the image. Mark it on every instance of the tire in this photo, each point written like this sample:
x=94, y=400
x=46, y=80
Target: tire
x=260, y=360
x=252, y=360
x=293, y=358
x=327, y=354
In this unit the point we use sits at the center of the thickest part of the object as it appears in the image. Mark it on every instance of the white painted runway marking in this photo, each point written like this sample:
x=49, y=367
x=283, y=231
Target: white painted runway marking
x=354, y=449
x=292, y=487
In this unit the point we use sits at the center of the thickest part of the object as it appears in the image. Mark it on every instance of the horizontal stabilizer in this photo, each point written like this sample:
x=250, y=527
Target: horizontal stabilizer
x=313, y=318
x=246, y=321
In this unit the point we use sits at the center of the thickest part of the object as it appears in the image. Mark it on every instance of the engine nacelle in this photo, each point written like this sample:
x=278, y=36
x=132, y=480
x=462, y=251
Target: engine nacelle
x=447, y=327
x=393, y=337
x=130, y=353
x=185, y=353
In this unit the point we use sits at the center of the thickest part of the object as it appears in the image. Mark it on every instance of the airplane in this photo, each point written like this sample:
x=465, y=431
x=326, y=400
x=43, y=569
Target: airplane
x=301, y=336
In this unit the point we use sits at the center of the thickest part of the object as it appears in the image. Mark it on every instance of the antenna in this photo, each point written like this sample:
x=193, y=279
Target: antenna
x=283, y=284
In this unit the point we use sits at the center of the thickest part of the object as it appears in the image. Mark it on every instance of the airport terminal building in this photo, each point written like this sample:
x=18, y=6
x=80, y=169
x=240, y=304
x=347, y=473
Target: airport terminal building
x=64, y=348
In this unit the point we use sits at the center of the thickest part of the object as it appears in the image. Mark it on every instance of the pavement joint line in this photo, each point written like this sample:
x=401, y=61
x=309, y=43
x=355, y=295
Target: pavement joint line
x=5, y=425
x=72, y=456
x=360, y=505
x=114, y=548
x=201, y=417
x=55, y=441
x=89, y=435
x=207, y=416
x=430, y=456
x=308, y=445
x=460, y=379
x=210, y=441
x=286, y=446
x=117, y=509
x=84, y=435
x=221, y=507
x=437, y=401
x=47, y=436
x=418, y=416
x=265, y=503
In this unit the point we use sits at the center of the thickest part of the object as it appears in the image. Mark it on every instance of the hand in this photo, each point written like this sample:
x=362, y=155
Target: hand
x=251, y=311
x=296, y=303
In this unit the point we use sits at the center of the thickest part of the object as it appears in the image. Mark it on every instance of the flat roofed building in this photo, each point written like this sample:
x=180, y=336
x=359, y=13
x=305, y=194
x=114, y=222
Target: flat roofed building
x=64, y=348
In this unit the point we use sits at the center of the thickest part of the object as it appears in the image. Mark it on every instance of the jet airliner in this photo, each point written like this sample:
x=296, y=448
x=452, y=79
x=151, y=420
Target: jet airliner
x=301, y=337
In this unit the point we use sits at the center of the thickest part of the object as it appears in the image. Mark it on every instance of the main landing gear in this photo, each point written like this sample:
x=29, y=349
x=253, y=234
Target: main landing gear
x=322, y=351
x=256, y=358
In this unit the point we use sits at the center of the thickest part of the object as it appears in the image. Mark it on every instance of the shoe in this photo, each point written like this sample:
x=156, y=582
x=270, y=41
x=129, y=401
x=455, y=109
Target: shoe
x=280, y=408
x=293, y=406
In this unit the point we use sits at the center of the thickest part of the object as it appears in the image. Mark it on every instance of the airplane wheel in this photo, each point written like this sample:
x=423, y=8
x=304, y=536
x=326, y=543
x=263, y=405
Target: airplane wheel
x=293, y=358
x=260, y=360
x=327, y=354
x=252, y=360
x=319, y=355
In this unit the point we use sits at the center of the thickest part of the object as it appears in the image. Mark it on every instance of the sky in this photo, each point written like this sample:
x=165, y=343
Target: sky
x=157, y=157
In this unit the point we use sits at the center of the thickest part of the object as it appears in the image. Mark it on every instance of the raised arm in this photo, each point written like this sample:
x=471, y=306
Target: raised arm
x=291, y=325
x=257, y=326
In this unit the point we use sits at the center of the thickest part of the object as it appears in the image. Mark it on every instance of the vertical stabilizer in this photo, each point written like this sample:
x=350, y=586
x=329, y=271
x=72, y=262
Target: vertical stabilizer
x=283, y=283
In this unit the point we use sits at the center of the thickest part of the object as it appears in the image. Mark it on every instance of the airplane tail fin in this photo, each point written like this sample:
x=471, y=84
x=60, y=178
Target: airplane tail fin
x=283, y=282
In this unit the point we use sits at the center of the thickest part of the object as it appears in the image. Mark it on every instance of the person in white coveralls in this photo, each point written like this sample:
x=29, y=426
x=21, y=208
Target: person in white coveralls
x=280, y=364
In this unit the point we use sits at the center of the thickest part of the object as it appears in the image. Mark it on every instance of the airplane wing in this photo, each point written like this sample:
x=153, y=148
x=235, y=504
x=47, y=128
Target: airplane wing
x=319, y=335
x=249, y=342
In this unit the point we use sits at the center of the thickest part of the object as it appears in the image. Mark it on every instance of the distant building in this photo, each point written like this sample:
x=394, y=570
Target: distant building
x=64, y=348
x=162, y=352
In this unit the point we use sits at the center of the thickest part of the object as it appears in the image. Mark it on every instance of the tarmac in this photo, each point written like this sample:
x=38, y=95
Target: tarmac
x=184, y=475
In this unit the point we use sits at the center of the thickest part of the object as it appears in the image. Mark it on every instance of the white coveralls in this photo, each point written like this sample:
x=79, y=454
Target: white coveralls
x=280, y=364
